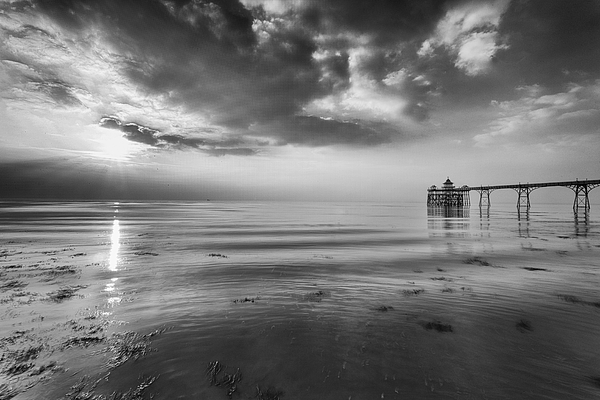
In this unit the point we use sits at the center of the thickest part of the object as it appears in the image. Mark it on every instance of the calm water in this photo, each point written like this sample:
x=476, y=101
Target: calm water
x=309, y=301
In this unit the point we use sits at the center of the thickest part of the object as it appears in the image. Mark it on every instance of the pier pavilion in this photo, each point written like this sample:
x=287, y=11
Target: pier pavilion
x=448, y=195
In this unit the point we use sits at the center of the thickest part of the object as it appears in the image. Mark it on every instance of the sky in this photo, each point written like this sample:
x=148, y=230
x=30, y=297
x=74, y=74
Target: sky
x=301, y=100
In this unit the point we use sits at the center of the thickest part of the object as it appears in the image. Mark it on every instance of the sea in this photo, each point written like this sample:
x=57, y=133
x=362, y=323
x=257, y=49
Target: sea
x=285, y=300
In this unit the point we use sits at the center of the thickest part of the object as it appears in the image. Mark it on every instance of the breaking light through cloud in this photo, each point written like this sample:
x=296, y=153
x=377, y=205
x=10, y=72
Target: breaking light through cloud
x=217, y=88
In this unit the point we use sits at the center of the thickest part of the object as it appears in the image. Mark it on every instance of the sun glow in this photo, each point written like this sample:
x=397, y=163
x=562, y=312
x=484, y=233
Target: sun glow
x=113, y=146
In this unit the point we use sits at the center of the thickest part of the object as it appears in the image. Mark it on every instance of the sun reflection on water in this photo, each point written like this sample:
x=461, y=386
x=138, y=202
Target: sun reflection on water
x=114, y=249
x=114, y=260
x=110, y=287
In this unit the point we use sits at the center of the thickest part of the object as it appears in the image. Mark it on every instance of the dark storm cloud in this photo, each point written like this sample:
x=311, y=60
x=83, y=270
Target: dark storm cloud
x=132, y=131
x=389, y=21
x=204, y=54
x=315, y=131
x=551, y=42
x=207, y=56
x=240, y=151
x=153, y=137
x=241, y=67
x=335, y=72
x=548, y=43
x=395, y=30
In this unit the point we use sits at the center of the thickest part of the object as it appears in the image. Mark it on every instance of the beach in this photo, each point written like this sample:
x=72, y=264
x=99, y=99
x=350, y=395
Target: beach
x=252, y=300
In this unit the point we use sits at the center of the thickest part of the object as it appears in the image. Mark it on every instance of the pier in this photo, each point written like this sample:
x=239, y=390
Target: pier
x=450, y=196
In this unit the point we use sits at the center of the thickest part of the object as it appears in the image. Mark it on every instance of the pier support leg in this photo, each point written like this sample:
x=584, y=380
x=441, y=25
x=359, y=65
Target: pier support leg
x=582, y=200
x=466, y=199
x=484, y=198
x=523, y=199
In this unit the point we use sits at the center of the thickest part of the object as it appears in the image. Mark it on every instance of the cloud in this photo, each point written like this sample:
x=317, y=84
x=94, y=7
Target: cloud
x=200, y=68
x=232, y=77
x=221, y=66
x=132, y=131
x=275, y=6
x=476, y=53
x=470, y=33
x=154, y=138
x=550, y=43
x=386, y=22
x=375, y=91
x=542, y=116
x=315, y=131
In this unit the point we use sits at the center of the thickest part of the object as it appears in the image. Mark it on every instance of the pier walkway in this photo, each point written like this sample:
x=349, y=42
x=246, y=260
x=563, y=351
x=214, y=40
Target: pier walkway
x=581, y=188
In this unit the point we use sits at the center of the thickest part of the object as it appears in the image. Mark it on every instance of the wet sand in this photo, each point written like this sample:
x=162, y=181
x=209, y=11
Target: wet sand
x=51, y=315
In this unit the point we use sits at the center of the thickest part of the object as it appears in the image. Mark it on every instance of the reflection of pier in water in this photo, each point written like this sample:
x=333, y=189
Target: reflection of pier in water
x=447, y=224
x=455, y=219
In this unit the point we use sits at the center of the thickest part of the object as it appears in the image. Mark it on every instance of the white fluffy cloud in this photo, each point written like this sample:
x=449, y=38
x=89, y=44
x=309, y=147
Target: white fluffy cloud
x=470, y=33
x=274, y=6
x=365, y=98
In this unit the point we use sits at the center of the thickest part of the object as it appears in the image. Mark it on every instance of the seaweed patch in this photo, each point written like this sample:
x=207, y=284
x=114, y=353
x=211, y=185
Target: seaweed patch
x=270, y=393
x=437, y=326
x=13, y=266
x=64, y=293
x=576, y=300
x=383, y=308
x=20, y=361
x=412, y=292
x=7, y=392
x=129, y=345
x=480, y=261
x=218, y=375
x=84, y=390
x=524, y=326
x=12, y=285
x=217, y=255
x=247, y=300
x=84, y=341
x=145, y=253
x=26, y=356
x=60, y=271
x=316, y=296
x=531, y=248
